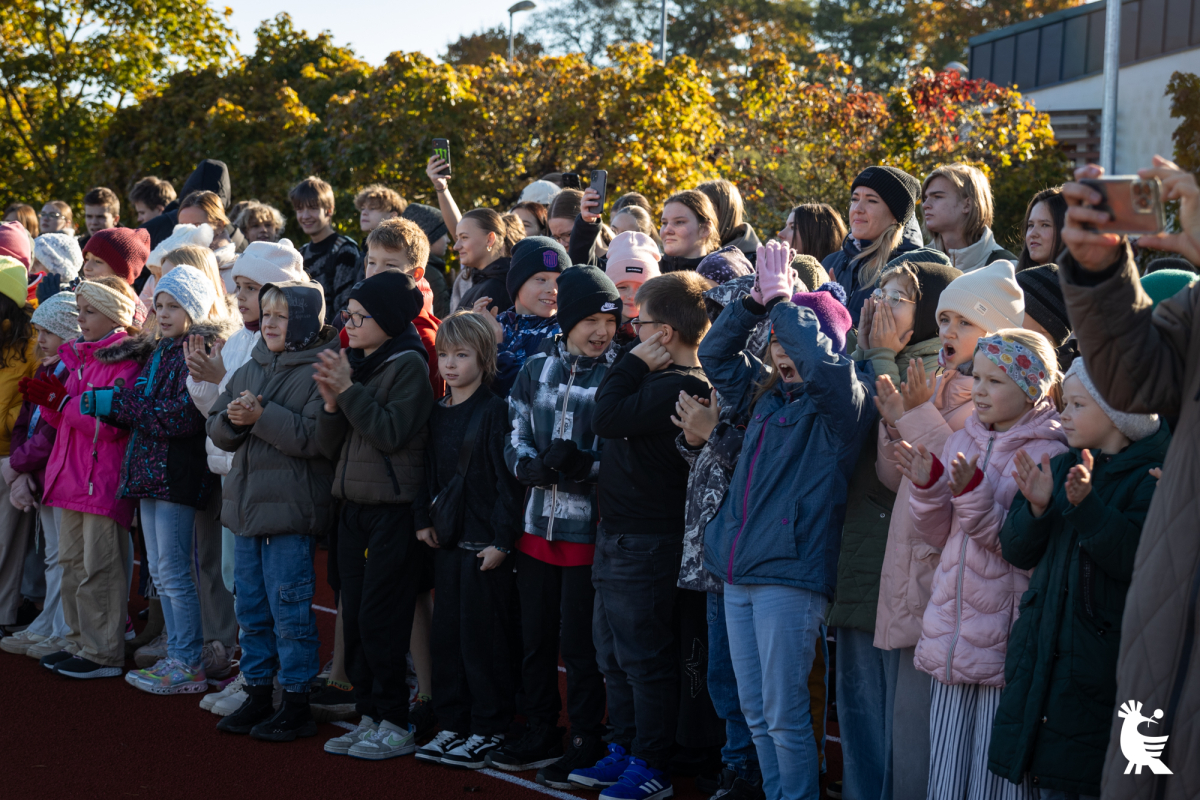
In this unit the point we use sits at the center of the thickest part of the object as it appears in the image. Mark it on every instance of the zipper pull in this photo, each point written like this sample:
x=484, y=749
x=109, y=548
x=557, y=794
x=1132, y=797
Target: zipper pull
x=89, y=488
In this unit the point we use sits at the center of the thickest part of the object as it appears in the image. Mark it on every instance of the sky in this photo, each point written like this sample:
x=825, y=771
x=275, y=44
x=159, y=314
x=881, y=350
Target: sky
x=375, y=28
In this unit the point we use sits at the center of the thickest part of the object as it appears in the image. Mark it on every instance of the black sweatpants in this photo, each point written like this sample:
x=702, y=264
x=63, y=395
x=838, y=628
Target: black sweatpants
x=555, y=599
x=474, y=624
x=378, y=563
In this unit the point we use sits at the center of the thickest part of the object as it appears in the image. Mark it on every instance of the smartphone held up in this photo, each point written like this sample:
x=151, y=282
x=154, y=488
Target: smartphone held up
x=441, y=149
x=1134, y=205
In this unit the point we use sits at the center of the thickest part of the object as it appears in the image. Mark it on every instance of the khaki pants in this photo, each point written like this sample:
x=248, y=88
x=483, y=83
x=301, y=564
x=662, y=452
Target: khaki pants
x=95, y=589
x=15, y=529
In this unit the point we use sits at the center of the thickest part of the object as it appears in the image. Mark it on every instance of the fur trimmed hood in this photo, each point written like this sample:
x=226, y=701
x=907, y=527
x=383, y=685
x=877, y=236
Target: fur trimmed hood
x=140, y=347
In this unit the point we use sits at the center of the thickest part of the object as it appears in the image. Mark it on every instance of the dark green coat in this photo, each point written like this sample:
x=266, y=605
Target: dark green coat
x=1060, y=673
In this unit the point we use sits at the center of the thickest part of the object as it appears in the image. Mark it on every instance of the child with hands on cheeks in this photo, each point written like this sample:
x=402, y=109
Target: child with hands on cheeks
x=975, y=591
x=1076, y=523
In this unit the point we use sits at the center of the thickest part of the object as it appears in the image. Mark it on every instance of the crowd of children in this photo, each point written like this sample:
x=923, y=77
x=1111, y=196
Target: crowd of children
x=679, y=461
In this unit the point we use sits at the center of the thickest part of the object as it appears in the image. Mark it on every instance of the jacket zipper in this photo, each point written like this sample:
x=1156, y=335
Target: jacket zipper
x=962, y=564
x=562, y=427
x=745, y=503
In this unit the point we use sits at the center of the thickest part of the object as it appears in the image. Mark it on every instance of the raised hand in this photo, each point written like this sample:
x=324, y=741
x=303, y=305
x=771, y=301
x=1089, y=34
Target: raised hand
x=332, y=374
x=774, y=271
x=914, y=463
x=697, y=417
x=962, y=470
x=866, y=320
x=919, y=387
x=1177, y=184
x=433, y=168
x=203, y=365
x=889, y=401
x=1092, y=250
x=1079, y=479
x=1036, y=483
x=589, y=207
x=489, y=314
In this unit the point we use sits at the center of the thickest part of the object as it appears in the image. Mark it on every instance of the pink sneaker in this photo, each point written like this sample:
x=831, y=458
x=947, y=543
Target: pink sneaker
x=130, y=633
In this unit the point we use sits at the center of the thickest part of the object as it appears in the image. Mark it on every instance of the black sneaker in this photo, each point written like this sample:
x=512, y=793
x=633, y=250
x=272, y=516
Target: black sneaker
x=331, y=704
x=437, y=747
x=583, y=751
x=422, y=718
x=80, y=667
x=711, y=784
x=540, y=746
x=54, y=659
x=254, y=710
x=473, y=753
x=27, y=612
x=293, y=720
x=741, y=789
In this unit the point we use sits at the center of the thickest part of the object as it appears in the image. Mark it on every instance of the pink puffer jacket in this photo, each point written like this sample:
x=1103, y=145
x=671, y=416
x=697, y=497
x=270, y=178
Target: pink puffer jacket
x=908, y=561
x=975, y=592
x=85, y=465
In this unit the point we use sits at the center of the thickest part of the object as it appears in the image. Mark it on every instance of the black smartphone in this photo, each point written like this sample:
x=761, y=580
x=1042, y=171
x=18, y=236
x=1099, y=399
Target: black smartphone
x=570, y=180
x=441, y=149
x=600, y=185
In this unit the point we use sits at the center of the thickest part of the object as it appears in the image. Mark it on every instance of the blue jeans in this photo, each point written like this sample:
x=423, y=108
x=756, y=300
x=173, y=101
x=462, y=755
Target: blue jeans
x=866, y=683
x=170, y=536
x=772, y=640
x=1055, y=794
x=275, y=581
x=738, y=753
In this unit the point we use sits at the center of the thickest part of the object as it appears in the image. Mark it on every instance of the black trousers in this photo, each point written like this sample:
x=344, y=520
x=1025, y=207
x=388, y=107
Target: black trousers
x=474, y=625
x=556, y=616
x=699, y=726
x=378, y=561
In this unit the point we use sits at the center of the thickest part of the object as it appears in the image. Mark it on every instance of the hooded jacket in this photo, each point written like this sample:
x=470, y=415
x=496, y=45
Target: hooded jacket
x=554, y=397
x=975, y=592
x=842, y=267
x=279, y=482
x=84, y=470
x=745, y=239
x=210, y=175
x=908, y=560
x=491, y=281
x=1060, y=673
x=781, y=520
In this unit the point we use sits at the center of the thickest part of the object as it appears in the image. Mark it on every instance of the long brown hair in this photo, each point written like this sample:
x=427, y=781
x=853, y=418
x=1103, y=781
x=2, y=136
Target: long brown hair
x=727, y=203
x=698, y=203
x=25, y=215
x=15, y=329
x=819, y=228
x=1057, y=205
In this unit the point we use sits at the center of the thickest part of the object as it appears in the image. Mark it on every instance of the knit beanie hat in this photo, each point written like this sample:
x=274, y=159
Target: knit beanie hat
x=14, y=242
x=270, y=262
x=932, y=280
x=633, y=258
x=125, y=250
x=191, y=288
x=1044, y=301
x=542, y=192
x=1135, y=426
x=392, y=297
x=184, y=233
x=116, y=306
x=14, y=280
x=828, y=303
x=1166, y=283
x=718, y=266
x=59, y=314
x=306, y=311
x=530, y=256
x=583, y=291
x=811, y=273
x=989, y=297
x=428, y=219
x=59, y=253
x=899, y=190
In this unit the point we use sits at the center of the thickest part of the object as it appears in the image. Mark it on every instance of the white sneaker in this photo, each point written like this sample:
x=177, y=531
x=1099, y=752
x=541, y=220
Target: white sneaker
x=233, y=701
x=212, y=698
x=342, y=744
x=439, y=745
x=472, y=753
x=388, y=741
x=52, y=645
x=19, y=643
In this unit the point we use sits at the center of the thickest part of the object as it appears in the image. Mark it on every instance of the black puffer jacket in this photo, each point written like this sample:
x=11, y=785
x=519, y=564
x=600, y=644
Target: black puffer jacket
x=490, y=282
x=840, y=268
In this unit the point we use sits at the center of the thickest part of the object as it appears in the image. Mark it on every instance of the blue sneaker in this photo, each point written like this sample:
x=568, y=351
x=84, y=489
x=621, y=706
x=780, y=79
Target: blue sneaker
x=639, y=782
x=607, y=771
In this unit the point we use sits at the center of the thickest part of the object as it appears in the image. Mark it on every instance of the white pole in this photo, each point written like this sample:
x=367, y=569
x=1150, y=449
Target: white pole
x=662, y=47
x=510, y=37
x=1112, y=65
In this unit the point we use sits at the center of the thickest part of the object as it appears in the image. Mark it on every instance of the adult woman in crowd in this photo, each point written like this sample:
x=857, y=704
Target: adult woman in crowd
x=731, y=227
x=482, y=243
x=533, y=217
x=1043, y=228
x=813, y=229
x=689, y=230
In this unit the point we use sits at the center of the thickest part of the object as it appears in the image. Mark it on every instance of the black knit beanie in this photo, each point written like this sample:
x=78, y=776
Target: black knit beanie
x=583, y=291
x=532, y=255
x=428, y=219
x=391, y=298
x=931, y=279
x=899, y=190
x=1044, y=301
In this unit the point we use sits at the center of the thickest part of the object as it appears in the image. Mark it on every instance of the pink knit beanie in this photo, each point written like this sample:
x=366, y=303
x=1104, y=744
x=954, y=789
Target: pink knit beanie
x=15, y=242
x=632, y=258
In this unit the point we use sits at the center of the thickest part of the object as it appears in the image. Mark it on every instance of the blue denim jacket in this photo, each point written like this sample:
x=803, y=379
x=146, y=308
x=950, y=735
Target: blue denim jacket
x=781, y=520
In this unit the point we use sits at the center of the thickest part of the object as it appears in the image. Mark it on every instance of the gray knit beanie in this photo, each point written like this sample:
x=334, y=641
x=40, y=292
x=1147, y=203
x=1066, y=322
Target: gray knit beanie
x=191, y=288
x=59, y=254
x=59, y=314
x=1135, y=426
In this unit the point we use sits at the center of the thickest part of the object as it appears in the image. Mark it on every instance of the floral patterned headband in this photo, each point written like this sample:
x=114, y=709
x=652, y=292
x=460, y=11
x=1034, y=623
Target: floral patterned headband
x=1018, y=362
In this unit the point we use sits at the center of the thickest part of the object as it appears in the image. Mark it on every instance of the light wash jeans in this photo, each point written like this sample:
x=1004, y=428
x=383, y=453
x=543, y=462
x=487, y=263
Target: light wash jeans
x=772, y=640
x=170, y=537
x=866, y=684
x=50, y=622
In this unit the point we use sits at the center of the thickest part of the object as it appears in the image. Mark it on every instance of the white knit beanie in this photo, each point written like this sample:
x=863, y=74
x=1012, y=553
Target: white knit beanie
x=184, y=233
x=59, y=314
x=270, y=262
x=542, y=192
x=59, y=253
x=990, y=297
x=191, y=288
x=1135, y=426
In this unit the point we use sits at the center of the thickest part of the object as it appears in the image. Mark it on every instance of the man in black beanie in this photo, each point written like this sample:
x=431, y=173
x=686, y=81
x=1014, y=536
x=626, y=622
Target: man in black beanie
x=430, y=221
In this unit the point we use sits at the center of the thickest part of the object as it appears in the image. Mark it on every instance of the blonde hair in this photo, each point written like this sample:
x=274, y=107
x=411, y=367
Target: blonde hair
x=641, y=216
x=211, y=205
x=972, y=185
x=193, y=255
x=877, y=255
x=905, y=271
x=468, y=329
x=271, y=300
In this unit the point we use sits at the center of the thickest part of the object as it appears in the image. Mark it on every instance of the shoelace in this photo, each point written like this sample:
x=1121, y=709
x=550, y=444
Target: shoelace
x=443, y=738
x=476, y=740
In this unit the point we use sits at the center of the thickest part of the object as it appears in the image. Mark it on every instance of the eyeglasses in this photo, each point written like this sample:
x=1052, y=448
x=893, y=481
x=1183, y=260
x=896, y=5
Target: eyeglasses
x=638, y=322
x=893, y=297
x=50, y=215
x=353, y=319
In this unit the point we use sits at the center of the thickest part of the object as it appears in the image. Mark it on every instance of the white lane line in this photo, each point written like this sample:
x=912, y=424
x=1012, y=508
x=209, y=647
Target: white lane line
x=326, y=610
x=829, y=738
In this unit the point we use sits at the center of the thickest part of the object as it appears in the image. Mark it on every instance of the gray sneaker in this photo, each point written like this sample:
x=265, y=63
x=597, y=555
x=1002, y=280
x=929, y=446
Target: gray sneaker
x=150, y=654
x=387, y=742
x=342, y=744
x=216, y=661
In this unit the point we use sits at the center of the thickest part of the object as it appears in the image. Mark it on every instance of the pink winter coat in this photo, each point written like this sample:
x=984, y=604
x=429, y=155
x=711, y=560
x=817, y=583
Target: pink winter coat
x=909, y=561
x=975, y=592
x=85, y=465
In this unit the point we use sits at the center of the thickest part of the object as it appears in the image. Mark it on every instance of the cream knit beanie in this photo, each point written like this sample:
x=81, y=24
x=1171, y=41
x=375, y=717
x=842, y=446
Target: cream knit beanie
x=270, y=262
x=1135, y=426
x=990, y=297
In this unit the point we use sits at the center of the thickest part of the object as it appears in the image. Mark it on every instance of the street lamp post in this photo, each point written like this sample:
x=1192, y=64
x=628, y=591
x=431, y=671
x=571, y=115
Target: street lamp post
x=662, y=41
x=1112, y=67
x=524, y=5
